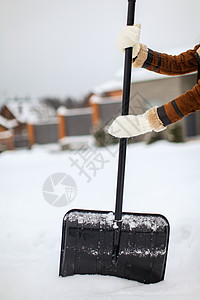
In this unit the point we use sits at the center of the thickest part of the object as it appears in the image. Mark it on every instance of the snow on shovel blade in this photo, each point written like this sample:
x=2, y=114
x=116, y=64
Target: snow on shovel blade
x=87, y=245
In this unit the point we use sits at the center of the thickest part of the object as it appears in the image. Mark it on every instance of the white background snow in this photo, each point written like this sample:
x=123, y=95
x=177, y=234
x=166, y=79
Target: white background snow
x=160, y=178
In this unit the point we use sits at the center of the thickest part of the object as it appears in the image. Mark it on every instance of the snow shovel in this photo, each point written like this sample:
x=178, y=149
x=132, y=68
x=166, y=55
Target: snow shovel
x=127, y=245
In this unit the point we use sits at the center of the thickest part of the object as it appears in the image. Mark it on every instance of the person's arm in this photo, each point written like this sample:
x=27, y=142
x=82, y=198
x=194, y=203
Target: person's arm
x=157, y=118
x=180, y=107
x=162, y=63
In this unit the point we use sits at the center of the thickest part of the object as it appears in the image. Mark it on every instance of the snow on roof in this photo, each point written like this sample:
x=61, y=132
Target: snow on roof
x=8, y=123
x=30, y=111
x=138, y=75
x=111, y=85
x=63, y=111
x=104, y=100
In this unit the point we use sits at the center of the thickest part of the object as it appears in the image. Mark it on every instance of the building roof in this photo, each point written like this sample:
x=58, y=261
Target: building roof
x=105, y=100
x=30, y=111
x=63, y=111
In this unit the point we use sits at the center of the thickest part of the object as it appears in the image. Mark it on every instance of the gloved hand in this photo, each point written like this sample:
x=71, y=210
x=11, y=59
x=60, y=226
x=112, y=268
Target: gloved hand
x=129, y=36
x=129, y=126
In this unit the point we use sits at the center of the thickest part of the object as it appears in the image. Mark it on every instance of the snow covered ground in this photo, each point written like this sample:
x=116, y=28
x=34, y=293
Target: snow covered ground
x=160, y=178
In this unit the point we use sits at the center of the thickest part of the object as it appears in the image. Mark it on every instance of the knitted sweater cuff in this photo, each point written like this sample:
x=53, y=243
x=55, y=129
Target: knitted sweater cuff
x=154, y=120
x=141, y=57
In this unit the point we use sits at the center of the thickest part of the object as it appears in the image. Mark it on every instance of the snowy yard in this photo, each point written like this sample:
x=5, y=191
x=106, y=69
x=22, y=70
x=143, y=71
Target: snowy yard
x=160, y=178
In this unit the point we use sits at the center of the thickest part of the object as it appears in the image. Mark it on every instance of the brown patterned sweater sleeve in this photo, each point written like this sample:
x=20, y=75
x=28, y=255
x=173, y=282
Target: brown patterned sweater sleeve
x=183, y=63
x=162, y=63
x=182, y=106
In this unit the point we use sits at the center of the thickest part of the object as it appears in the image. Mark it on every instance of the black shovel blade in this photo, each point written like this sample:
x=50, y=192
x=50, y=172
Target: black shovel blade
x=87, y=245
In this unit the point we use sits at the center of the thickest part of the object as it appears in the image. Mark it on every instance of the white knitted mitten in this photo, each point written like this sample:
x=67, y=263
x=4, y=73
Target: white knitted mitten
x=129, y=126
x=129, y=36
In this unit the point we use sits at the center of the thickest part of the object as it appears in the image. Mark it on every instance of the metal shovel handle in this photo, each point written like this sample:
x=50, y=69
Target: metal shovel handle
x=125, y=111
